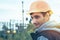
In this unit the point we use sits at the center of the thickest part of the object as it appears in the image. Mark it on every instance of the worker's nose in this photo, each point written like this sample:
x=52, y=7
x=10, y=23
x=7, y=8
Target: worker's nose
x=34, y=21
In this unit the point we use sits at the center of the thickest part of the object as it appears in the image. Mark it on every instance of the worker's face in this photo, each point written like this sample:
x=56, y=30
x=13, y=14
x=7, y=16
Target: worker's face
x=38, y=19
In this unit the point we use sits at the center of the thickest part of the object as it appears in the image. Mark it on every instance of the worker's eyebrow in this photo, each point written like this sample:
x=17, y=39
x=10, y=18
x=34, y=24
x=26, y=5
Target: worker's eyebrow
x=31, y=13
x=36, y=16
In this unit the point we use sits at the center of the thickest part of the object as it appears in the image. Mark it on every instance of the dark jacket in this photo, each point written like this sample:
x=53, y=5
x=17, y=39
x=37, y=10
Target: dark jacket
x=47, y=31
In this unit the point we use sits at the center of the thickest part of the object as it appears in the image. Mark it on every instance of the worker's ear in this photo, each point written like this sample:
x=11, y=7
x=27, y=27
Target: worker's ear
x=47, y=16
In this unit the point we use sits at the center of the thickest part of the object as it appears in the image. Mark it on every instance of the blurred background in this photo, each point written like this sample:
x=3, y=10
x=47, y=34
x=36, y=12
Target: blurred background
x=15, y=23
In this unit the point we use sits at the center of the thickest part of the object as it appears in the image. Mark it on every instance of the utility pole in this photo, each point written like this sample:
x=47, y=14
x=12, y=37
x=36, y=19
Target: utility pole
x=23, y=12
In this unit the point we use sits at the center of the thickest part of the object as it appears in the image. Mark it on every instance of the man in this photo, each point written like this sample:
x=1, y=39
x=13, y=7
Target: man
x=40, y=13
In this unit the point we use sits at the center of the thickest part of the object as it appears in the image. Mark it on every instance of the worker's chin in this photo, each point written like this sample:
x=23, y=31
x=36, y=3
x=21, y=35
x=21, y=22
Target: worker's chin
x=37, y=26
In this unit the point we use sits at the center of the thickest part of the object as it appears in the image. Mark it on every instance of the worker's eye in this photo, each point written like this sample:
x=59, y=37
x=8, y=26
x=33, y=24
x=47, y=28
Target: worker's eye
x=31, y=17
x=37, y=17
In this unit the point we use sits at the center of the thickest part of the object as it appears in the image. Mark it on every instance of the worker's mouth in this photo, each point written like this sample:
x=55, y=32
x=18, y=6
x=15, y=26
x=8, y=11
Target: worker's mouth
x=36, y=25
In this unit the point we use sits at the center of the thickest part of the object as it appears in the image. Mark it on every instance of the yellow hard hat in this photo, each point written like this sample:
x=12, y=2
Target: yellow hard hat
x=39, y=6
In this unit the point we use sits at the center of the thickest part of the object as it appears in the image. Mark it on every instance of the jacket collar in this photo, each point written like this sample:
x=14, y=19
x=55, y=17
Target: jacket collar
x=50, y=25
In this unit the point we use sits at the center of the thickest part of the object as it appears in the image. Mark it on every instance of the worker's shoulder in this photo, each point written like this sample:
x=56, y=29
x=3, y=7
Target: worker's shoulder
x=42, y=38
x=49, y=34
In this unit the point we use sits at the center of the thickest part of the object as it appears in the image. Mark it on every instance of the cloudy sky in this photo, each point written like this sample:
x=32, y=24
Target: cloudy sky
x=10, y=9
